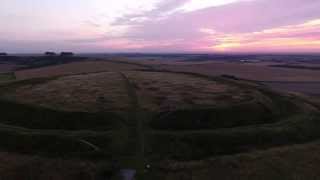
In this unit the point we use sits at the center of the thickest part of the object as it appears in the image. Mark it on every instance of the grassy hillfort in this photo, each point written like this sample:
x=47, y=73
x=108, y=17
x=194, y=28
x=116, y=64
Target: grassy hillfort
x=165, y=121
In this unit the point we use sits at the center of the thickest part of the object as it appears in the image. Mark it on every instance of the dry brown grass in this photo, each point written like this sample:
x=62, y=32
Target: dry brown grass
x=157, y=91
x=160, y=91
x=74, y=68
x=88, y=93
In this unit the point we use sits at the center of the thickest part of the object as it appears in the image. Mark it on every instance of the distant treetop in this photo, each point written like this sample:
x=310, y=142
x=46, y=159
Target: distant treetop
x=66, y=54
x=3, y=54
x=50, y=53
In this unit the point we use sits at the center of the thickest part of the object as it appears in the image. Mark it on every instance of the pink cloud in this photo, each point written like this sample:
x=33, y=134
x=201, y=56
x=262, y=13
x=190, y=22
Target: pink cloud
x=247, y=25
x=255, y=25
x=305, y=36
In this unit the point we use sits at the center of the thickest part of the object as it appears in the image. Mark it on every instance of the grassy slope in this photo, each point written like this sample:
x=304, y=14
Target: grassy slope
x=170, y=144
x=298, y=162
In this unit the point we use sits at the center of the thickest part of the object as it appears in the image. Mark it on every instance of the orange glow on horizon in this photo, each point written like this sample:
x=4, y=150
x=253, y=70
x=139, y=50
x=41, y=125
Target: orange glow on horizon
x=304, y=36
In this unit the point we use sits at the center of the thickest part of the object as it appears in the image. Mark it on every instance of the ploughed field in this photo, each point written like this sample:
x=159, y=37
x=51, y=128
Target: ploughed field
x=139, y=116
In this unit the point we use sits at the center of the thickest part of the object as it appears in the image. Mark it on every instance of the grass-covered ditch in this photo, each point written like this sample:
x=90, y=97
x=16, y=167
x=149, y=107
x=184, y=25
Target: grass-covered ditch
x=252, y=112
x=202, y=133
x=43, y=118
x=38, y=130
x=199, y=144
x=213, y=118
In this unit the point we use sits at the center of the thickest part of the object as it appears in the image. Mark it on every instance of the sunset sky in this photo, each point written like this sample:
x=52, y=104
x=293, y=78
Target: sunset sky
x=31, y=26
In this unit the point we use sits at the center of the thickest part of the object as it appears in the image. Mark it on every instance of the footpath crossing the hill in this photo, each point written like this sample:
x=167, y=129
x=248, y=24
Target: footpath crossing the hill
x=137, y=116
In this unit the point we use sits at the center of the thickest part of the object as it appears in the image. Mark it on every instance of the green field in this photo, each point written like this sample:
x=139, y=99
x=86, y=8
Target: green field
x=5, y=77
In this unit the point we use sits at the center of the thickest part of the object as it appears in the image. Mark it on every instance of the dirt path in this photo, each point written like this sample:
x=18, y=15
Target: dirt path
x=136, y=115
